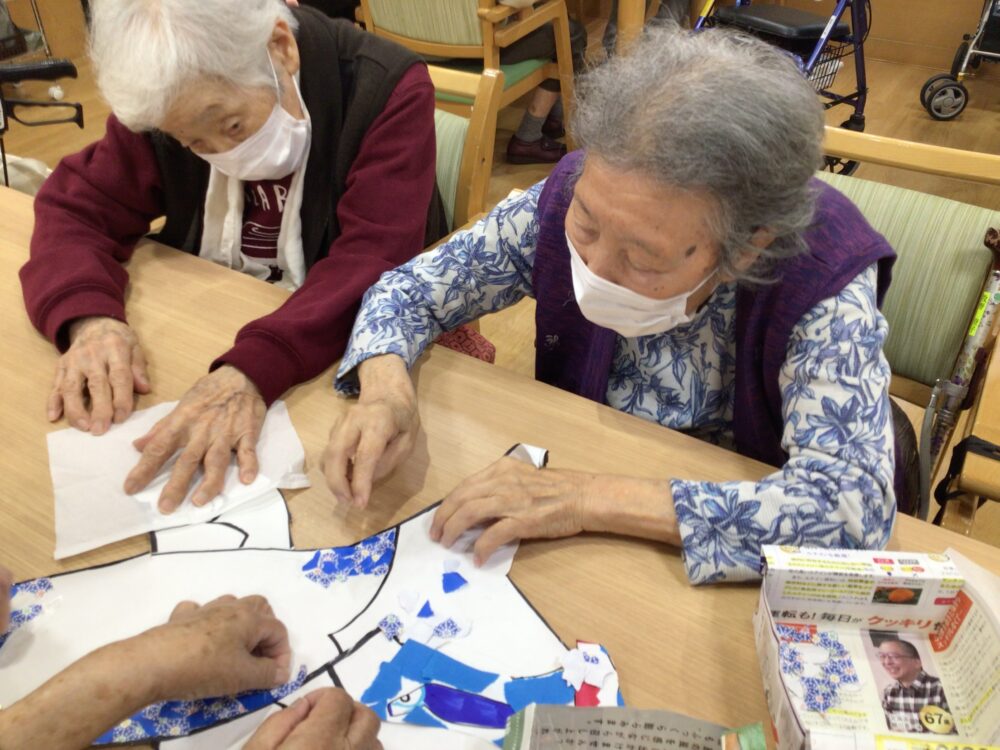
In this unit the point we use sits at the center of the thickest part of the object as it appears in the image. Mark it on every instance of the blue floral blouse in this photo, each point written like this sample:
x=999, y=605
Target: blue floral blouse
x=836, y=489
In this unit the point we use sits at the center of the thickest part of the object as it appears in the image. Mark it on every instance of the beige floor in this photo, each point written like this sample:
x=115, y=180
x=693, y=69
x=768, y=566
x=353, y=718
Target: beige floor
x=893, y=109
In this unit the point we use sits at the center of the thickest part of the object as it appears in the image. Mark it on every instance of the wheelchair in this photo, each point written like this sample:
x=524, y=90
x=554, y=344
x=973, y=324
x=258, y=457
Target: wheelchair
x=818, y=44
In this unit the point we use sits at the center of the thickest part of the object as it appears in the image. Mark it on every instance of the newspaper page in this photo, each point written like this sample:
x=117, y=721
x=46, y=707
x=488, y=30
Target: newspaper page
x=559, y=727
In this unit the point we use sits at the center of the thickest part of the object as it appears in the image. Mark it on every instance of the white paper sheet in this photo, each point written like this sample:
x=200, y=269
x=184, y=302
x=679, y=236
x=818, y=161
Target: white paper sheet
x=88, y=473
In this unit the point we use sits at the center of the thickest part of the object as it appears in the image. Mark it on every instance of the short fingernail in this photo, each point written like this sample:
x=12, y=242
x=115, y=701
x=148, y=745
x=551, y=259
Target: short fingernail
x=51, y=414
x=246, y=477
x=284, y=673
x=119, y=415
x=199, y=498
x=83, y=424
x=164, y=507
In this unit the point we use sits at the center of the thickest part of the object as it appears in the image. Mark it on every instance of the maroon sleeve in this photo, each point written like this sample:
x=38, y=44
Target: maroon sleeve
x=382, y=216
x=88, y=216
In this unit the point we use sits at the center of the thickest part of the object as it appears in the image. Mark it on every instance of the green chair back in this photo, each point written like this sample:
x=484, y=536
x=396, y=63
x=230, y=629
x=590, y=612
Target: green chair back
x=451, y=131
x=937, y=278
x=440, y=21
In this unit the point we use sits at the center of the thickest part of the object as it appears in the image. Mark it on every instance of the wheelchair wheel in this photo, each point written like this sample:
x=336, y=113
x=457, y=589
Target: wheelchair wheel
x=956, y=64
x=932, y=83
x=947, y=100
x=845, y=166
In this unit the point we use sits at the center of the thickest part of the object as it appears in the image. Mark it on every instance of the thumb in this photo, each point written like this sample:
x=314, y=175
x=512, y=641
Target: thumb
x=278, y=726
x=140, y=374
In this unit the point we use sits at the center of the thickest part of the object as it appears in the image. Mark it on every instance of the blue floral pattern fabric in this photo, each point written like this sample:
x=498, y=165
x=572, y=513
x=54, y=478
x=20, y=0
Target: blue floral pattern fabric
x=25, y=612
x=180, y=718
x=371, y=556
x=835, y=490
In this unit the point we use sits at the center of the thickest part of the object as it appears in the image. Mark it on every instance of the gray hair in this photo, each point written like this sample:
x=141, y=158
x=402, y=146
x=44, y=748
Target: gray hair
x=717, y=112
x=145, y=51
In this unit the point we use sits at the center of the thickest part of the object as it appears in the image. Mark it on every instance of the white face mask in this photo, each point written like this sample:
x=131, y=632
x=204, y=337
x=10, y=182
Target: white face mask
x=626, y=312
x=274, y=151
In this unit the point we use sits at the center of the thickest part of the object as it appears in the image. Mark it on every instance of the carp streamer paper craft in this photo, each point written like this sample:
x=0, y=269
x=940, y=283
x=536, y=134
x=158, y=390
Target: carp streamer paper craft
x=445, y=681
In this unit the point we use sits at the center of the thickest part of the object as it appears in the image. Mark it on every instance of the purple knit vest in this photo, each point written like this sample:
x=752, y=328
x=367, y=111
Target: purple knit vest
x=576, y=355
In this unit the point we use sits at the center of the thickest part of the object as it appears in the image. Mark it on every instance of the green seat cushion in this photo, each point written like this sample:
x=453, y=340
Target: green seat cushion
x=937, y=278
x=513, y=73
x=451, y=131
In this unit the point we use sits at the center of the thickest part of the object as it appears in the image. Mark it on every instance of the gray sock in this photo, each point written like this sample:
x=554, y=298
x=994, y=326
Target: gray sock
x=530, y=129
x=557, y=109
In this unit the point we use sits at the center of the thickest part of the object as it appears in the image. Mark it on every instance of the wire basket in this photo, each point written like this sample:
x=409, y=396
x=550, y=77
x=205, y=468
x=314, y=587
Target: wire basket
x=828, y=64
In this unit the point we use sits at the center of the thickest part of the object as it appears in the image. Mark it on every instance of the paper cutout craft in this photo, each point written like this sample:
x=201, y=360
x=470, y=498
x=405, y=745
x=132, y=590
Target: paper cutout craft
x=452, y=582
x=259, y=524
x=88, y=472
x=338, y=605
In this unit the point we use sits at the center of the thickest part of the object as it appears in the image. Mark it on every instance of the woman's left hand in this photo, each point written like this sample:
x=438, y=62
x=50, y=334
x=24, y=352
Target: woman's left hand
x=514, y=500
x=222, y=413
x=518, y=501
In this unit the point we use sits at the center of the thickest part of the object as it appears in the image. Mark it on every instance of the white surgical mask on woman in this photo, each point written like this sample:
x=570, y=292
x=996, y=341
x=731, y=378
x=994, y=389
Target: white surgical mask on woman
x=274, y=151
x=626, y=312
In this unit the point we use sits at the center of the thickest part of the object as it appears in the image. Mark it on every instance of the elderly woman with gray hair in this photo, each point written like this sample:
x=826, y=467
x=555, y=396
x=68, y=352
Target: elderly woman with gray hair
x=289, y=146
x=688, y=270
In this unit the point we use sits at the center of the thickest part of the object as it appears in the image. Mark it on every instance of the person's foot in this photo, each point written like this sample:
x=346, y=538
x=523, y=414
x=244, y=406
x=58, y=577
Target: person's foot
x=542, y=151
x=553, y=127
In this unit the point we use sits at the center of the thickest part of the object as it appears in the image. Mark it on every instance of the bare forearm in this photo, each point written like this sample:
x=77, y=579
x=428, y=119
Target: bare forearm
x=80, y=703
x=629, y=506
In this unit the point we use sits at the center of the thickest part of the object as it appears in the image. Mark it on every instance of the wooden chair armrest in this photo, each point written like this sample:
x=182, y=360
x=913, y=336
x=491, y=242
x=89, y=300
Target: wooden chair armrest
x=498, y=13
x=918, y=157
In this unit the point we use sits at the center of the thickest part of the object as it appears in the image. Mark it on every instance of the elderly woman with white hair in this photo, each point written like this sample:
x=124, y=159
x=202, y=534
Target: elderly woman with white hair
x=275, y=141
x=689, y=270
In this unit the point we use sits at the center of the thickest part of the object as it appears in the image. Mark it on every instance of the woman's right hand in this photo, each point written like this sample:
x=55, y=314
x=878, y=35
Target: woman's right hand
x=376, y=434
x=96, y=377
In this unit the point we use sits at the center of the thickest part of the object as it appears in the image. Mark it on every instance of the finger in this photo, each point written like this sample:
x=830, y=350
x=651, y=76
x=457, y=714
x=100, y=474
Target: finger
x=183, y=608
x=183, y=471
x=54, y=406
x=122, y=383
x=72, y=396
x=269, y=655
x=246, y=458
x=504, y=531
x=278, y=726
x=155, y=454
x=468, y=490
x=99, y=389
x=371, y=447
x=329, y=718
x=395, y=453
x=140, y=373
x=216, y=463
x=363, y=731
x=140, y=443
x=472, y=513
x=224, y=599
x=343, y=441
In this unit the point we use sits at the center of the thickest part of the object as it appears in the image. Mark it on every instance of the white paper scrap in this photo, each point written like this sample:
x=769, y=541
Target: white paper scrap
x=88, y=473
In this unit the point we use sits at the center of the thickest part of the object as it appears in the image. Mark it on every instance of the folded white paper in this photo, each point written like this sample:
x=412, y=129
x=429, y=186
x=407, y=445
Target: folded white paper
x=88, y=474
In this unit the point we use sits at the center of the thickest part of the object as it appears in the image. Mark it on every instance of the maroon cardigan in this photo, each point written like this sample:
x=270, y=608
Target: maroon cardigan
x=98, y=203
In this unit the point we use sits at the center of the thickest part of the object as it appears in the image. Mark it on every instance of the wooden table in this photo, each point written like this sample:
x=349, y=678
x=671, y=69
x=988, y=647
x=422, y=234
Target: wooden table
x=677, y=647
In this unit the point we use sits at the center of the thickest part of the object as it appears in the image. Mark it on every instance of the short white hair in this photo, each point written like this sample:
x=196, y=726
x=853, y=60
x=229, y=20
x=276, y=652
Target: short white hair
x=146, y=51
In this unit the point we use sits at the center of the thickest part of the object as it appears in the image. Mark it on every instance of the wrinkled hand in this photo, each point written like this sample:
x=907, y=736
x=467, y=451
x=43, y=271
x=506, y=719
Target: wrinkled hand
x=326, y=719
x=225, y=647
x=6, y=581
x=517, y=501
x=223, y=412
x=376, y=434
x=98, y=374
